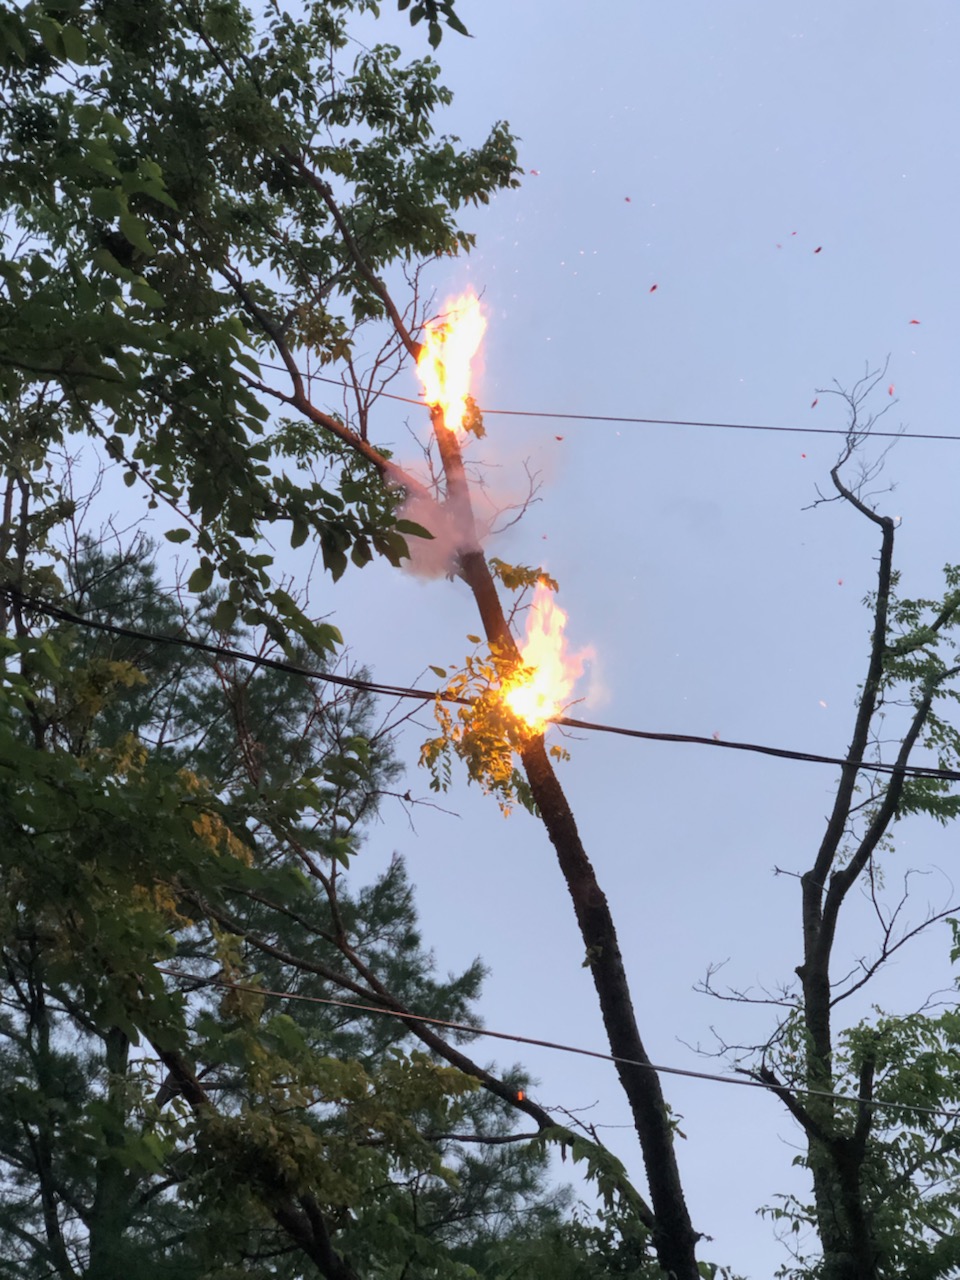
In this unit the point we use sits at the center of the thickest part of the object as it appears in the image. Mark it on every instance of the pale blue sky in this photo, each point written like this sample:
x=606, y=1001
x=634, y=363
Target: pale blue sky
x=680, y=145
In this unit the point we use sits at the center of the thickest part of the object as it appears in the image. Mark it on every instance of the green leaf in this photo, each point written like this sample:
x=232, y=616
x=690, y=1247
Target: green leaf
x=335, y=562
x=105, y=259
x=88, y=117
x=148, y=296
x=105, y=203
x=360, y=553
x=10, y=38
x=135, y=231
x=455, y=24
x=74, y=44
x=49, y=31
x=225, y=615
x=323, y=637
x=411, y=527
x=177, y=535
x=202, y=577
x=438, y=671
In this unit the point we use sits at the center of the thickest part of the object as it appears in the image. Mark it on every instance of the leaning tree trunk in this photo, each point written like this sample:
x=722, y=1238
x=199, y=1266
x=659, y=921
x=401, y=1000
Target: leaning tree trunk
x=674, y=1236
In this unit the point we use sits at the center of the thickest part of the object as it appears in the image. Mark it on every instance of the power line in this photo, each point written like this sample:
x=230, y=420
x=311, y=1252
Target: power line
x=69, y=616
x=712, y=1077
x=635, y=421
x=726, y=426
x=425, y=695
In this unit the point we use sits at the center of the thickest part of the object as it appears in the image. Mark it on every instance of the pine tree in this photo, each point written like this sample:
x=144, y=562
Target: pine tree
x=106, y=1170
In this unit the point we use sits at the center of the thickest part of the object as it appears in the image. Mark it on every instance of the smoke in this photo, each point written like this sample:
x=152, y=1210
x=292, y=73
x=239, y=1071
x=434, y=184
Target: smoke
x=597, y=693
x=436, y=557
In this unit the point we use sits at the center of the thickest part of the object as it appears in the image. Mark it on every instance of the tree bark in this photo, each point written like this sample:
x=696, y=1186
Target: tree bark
x=109, y=1218
x=673, y=1234
x=836, y=1158
x=674, y=1237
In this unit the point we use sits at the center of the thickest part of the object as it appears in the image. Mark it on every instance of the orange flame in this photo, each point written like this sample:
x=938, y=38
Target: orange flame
x=449, y=344
x=546, y=690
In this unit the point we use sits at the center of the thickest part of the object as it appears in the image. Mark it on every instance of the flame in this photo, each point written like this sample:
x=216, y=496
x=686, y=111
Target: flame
x=546, y=690
x=449, y=344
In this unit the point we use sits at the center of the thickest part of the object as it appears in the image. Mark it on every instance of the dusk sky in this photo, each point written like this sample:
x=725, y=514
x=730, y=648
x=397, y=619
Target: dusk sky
x=786, y=176
x=710, y=150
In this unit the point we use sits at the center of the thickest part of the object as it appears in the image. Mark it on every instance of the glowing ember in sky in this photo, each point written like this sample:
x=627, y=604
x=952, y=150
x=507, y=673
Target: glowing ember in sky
x=548, y=688
x=449, y=344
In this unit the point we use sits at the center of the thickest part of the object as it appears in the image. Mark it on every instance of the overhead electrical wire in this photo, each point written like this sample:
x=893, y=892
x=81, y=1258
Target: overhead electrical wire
x=636, y=421
x=406, y=1016
x=62, y=614
x=726, y=426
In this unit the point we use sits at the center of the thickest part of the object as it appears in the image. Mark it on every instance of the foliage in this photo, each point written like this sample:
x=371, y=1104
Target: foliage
x=910, y=1178
x=191, y=191
x=183, y=185
x=876, y=1101
x=482, y=731
x=166, y=820
x=921, y=655
x=517, y=576
x=197, y=198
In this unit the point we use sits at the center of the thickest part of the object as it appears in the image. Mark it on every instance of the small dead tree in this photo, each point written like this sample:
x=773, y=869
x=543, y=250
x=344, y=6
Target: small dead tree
x=881, y=1159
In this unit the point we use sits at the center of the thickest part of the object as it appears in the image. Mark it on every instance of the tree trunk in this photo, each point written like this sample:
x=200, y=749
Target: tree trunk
x=674, y=1236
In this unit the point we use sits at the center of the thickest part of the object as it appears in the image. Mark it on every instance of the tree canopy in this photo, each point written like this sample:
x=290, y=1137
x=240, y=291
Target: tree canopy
x=209, y=213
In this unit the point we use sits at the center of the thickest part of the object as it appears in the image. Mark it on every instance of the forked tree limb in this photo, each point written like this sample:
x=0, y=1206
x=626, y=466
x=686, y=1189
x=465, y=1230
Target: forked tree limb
x=673, y=1234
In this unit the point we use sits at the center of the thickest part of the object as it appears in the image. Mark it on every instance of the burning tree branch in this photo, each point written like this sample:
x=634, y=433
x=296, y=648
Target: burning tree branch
x=674, y=1236
x=453, y=418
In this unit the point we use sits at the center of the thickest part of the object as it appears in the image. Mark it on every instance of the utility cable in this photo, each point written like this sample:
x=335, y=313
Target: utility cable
x=224, y=651
x=712, y=1077
x=634, y=421
x=425, y=695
